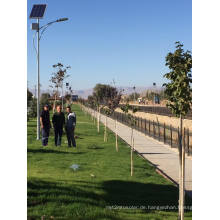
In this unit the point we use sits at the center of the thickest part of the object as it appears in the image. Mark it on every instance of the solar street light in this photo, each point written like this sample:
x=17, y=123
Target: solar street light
x=62, y=19
x=34, y=26
x=37, y=12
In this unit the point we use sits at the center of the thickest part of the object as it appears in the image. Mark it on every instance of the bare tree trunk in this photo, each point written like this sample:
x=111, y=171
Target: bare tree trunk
x=105, y=136
x=98, y=118
x=106, y=133
x=90, y=111
x=132, y=149
x=131, y=134
x=116, y=135
x=183, y=180
x=180, y=170
x=94, y=116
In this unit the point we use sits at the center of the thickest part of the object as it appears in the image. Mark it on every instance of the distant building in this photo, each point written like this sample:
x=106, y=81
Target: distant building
x=75, y=98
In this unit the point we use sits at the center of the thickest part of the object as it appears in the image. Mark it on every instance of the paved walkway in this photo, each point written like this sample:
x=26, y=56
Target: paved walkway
x=160, y=155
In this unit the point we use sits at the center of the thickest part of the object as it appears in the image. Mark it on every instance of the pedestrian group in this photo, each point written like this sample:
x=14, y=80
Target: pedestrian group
x=58, y=121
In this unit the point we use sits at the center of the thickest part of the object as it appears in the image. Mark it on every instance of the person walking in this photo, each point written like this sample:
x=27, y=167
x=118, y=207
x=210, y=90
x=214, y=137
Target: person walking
x=58, y=121
x=70, y=127
x=45, y=124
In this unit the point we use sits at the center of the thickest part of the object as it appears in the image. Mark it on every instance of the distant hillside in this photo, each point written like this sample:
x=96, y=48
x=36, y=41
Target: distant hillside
x=84, y=93
x=127, y=90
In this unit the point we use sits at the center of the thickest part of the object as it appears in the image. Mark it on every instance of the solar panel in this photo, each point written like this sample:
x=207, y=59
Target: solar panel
x=38, y=11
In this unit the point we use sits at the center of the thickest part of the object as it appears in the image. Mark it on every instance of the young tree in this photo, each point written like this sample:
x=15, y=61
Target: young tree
x=108, y=97
x=58, y=78
x=91, y=103
x=132, y=122
x=179, y=94
x=107, y=112
x=96, y=100
x=99, y=96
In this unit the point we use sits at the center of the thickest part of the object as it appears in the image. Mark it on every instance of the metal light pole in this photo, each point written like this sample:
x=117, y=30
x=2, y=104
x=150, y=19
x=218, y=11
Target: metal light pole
x=62, y=95
x=38, y=13
x=38, y=80
x=38, y=69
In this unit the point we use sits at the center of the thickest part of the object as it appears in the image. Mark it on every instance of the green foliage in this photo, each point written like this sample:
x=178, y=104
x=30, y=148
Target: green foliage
x=91, y=101
x=31, y=105
x=179, y=90
x=67, y=97
x=106, y=110
x=58, y=103
x=32, y=109
x=125, y=108
x=29, y=97
x=44, y=100
x=101, y=92
x=134, y=109
x=105, y=95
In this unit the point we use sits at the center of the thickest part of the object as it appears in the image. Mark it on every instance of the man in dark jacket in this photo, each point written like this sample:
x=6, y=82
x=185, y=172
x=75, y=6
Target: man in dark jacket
x=58, y=122
x=70, y=127
x=45, y=125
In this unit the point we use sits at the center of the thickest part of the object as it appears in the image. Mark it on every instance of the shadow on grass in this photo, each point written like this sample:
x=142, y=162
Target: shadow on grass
x=115, y=193
x=78, y=137
x=48, y=151
x=127, y=193
x=65, y=201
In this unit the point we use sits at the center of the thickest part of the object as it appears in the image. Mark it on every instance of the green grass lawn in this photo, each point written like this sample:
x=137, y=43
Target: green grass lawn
x=102, y=181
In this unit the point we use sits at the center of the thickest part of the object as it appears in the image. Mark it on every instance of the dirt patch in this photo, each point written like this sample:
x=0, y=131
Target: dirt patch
x=173, y=121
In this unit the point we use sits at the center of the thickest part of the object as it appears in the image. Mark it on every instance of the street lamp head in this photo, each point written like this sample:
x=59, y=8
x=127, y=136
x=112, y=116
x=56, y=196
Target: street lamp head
x=62, y=19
